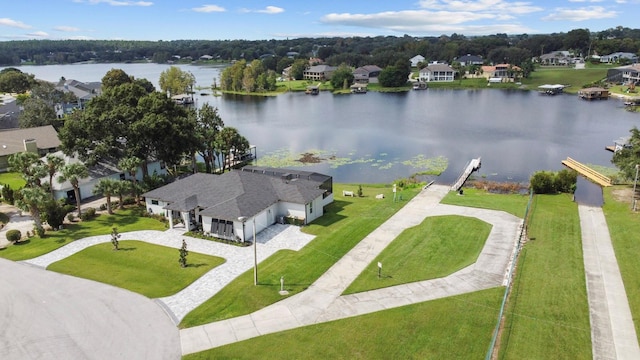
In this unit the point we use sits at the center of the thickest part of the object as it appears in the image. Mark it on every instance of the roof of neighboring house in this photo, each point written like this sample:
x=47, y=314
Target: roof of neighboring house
x=469, y=58
x=620, y=54
x=367, y=69
x=555, y=54
x=490, y=68
x=12, y=141
x=206, y=57
x=417, y=57
x=81, y=90
x=234, y=194
x=437, y=67
x=320, y=68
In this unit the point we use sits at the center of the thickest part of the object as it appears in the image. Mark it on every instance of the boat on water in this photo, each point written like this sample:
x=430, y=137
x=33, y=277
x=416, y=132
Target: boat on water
x=549, y=89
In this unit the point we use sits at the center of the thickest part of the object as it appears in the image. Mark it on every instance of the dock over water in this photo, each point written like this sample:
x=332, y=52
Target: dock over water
x=587, y=172
x=472, y=166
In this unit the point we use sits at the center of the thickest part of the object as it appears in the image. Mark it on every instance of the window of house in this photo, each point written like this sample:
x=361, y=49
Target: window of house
x=154, y=202
x=311, y=207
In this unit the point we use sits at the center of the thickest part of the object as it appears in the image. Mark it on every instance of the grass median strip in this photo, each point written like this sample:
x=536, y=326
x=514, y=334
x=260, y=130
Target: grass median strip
x=437, y=247
x=147, y=269
x=624, y=229
x=345, y=223
x=547, y=315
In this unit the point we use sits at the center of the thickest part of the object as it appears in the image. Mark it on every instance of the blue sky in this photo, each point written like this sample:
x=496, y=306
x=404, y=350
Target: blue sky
x=279, y=19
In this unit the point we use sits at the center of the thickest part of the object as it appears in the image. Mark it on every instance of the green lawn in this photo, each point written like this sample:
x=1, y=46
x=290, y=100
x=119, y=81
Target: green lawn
x=624, y=228
x=124, y=220
x=547, y=316
x=12, y=179
x=514, y=204
x=147, y=269
x=566, y=76
x=439, y=246
x=458, y=327
x=345, y=222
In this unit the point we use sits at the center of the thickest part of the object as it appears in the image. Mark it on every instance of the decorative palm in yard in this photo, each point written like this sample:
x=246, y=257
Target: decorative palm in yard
x=73, y=173
x=107, y=187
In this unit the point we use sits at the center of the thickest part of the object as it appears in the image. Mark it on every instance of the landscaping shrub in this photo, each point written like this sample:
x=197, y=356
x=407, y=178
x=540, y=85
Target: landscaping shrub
x=129, y=200
x=88, y=214
x=547, y=182
x=71, y=217
x=7, y=194
x=54, y=213
x=14, y=235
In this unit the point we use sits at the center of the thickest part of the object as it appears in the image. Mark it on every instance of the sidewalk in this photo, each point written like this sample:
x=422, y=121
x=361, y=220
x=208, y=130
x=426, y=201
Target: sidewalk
x=613, y=335
x=322, y=301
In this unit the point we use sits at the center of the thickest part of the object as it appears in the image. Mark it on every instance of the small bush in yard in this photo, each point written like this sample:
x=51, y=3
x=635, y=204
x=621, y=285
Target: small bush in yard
x=14, y=235
x=88, y=214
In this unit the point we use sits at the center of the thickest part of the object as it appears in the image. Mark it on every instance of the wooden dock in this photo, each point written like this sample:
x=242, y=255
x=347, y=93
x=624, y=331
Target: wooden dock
x=472, y=166
x=587, y=172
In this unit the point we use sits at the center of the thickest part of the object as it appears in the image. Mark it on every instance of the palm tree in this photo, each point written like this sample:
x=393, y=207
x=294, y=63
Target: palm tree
x=30, y=166
x=131, y=165
x=73, y=173
x=106, y=187
x=121, y=188
x=32, y=199
x=54, y=163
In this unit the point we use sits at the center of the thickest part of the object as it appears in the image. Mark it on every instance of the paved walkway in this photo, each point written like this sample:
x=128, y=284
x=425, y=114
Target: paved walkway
x=238, y=259
x=322, y=302
x=613, y=334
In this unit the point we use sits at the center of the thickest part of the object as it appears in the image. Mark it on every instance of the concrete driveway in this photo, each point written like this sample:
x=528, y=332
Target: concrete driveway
x=46, y=315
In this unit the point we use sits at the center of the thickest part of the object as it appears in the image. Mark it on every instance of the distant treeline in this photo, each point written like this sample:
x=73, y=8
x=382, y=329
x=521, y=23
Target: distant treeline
x=354, y=51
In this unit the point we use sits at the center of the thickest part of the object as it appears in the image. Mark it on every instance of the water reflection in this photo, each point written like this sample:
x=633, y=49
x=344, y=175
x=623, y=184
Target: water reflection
x=588, y=193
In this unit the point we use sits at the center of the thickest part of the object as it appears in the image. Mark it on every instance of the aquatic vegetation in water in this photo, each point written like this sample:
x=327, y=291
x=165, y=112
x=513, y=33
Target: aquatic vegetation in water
x=285, y=158
x=428, y=166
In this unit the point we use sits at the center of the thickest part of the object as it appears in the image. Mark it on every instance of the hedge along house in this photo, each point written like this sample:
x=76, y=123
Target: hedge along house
x=225, y=205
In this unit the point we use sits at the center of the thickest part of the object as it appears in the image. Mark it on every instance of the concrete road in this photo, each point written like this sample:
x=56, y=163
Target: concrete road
x=46, y=315
x=613, y=335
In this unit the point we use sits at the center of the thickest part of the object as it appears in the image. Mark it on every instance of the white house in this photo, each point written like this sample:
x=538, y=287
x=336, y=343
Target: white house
x=437, y=72
x=101, y=170
x=227, y=205
x=416, y=60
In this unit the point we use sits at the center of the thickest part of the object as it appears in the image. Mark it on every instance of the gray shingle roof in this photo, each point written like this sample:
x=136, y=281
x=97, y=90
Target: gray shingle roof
x=12, y=141
x=234, y=194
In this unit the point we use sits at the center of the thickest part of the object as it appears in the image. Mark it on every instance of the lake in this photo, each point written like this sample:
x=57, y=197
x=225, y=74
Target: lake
x=380, y=137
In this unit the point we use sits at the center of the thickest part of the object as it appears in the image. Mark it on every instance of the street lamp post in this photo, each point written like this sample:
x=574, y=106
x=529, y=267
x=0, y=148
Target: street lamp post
x=634, y=187
x=255, y=254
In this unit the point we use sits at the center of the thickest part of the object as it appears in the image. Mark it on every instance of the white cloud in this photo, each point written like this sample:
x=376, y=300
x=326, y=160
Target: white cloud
x=66, y=28
x=80, y=37
x=209, y=9
x=582, y=14
x=116, y=2
x=13, y=23
x=271, y=10
x=486, y=6
x=588, y=1
x=267, y=10
x=39, y=34
x=406, y=19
